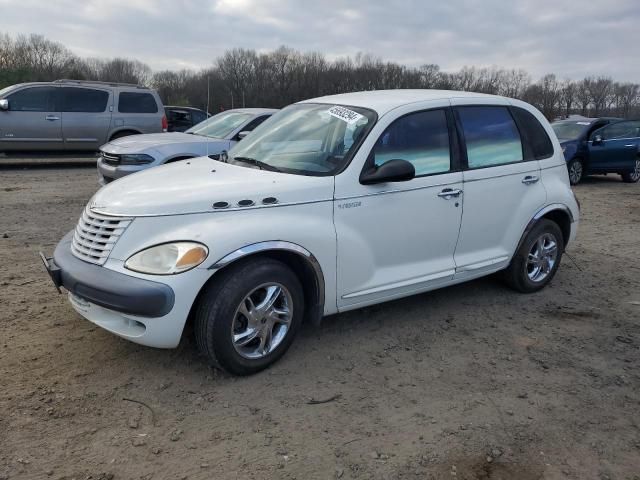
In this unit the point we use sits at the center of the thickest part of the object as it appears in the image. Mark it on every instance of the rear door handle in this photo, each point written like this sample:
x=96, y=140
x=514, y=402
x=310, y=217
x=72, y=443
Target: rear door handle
x=51, y=118
x=449, y=193
x=530, y=179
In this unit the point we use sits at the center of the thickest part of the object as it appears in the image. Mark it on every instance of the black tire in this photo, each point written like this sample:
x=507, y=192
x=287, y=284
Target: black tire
x=632, y=177
x=576, y=171
x=124, y=133
x=217, y=308
x=517, y=274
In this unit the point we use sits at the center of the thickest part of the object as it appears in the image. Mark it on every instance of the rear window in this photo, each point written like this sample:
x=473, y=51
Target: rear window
x=491, y=136
x=134, y=102
x=534, y=134
x=84, y=100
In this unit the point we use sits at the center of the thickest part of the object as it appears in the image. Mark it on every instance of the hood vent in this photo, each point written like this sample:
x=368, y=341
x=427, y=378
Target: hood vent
x=246, y=203
x=269, y=201
x=220, y=205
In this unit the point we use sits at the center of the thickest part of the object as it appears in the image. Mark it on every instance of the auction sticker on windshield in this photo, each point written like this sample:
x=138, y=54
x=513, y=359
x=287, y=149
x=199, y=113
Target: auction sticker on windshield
x=345, y=114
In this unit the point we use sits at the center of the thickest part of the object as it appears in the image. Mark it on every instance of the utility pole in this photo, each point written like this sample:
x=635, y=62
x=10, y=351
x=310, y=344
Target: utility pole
x=231, y=98
x=243, y=105
x=208, y=95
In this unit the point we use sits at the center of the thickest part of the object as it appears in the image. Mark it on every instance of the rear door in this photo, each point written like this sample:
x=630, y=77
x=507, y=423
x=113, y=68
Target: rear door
x=33, y=121
x=502, y=188
x=86, y=117
x=618, y=148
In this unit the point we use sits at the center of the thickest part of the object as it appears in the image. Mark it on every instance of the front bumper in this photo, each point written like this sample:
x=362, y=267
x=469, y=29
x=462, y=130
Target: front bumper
x=108, y=173
x=107, y=288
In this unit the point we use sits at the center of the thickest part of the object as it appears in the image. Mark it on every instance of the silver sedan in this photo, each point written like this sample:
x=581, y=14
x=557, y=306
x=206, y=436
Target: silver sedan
x=215, y=135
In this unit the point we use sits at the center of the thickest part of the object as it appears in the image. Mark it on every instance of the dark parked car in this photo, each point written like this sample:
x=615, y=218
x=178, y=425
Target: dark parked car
x=600, y=145
x=183, y=118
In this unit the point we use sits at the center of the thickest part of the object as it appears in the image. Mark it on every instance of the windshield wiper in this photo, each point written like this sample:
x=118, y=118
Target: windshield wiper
x=257, y=163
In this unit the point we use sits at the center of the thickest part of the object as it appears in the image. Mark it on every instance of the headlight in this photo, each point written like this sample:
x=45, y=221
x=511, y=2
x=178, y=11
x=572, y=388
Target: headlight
x=135, y=159
x=168, y=258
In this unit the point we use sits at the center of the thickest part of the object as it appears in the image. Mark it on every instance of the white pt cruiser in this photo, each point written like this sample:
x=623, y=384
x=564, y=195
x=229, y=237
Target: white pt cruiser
x=333, y=204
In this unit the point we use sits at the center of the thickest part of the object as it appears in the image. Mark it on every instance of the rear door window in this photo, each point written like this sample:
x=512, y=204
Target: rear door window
x=491, y=136
x=620, y=130
x=34, y=99
x=134, y=102
x=84, y=100
x=421, y=138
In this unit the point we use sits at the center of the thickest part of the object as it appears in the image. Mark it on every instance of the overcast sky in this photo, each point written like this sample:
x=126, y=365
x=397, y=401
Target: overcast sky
x=571, y=38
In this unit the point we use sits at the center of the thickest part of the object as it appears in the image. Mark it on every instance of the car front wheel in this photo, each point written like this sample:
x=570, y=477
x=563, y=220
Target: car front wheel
x=538, y=258
x=632, y=177
x=576, y=171
x=247, y=318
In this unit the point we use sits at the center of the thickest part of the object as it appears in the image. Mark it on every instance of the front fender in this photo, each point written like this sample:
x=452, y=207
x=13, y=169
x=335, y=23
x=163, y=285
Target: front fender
x=306, y=229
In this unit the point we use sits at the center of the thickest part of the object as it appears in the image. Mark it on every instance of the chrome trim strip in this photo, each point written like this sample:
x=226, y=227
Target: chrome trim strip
x=212, y=210
x=278, y=245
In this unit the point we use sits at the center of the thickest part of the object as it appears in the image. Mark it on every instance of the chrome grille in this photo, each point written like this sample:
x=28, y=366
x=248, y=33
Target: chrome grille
x=95, y=236
x=110, y=158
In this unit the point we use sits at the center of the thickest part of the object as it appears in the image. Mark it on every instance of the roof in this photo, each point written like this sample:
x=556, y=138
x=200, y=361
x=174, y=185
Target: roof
x=384, y=100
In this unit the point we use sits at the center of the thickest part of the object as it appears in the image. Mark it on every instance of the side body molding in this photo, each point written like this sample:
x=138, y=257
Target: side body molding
x=315, y=312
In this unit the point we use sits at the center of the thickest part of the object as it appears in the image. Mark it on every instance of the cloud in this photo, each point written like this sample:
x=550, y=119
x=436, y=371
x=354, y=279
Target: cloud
x=572, y=38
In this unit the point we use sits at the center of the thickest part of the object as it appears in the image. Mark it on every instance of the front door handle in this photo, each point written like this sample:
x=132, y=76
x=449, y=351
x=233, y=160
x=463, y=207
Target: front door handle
x=449, y=193
x=530, y=179
x=51, y=118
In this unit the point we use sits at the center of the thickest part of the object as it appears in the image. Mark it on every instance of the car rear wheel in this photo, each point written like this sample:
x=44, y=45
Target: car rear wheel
x=632, y=177
x=247, y=318
x=576, y=171
x=538, y=258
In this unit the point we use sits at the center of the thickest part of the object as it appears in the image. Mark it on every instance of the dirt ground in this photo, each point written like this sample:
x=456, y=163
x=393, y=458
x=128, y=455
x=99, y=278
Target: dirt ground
x=472, y=382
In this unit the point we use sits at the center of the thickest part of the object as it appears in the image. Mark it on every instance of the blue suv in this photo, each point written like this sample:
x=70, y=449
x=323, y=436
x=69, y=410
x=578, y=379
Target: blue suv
x=600, y=145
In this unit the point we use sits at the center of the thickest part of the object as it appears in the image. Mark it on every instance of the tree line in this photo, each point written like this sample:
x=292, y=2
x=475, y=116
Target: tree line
x=244, y=77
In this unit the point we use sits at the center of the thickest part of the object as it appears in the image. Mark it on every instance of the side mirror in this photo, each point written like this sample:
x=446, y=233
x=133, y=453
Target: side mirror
x=4, y=104
x=391, y=171
x=243, y=134
x=597, y=139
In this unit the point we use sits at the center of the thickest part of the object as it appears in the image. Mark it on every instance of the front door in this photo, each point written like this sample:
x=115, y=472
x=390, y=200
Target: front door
x=614, y=148
x=395, y=239
x=502, y=190
x=86, y=117
x=33, y=121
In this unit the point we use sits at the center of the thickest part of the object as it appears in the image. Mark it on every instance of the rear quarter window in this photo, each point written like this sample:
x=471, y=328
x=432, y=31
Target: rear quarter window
x=534, y=135
x=134, y=102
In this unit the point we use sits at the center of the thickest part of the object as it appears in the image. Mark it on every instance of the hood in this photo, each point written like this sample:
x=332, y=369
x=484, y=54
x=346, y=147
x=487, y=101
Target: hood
x=194, y=186
x=139, y=143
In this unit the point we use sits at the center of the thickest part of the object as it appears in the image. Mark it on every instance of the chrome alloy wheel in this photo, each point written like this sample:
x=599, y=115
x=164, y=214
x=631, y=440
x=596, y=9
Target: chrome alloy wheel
x=542, y=257
x=262, y=320
x=635, y=175
x=575, y=172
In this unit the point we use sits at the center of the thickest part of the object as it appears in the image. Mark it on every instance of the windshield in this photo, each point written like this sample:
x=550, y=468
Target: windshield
x=570, y=130
x=220, y=125
x=306, y=139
